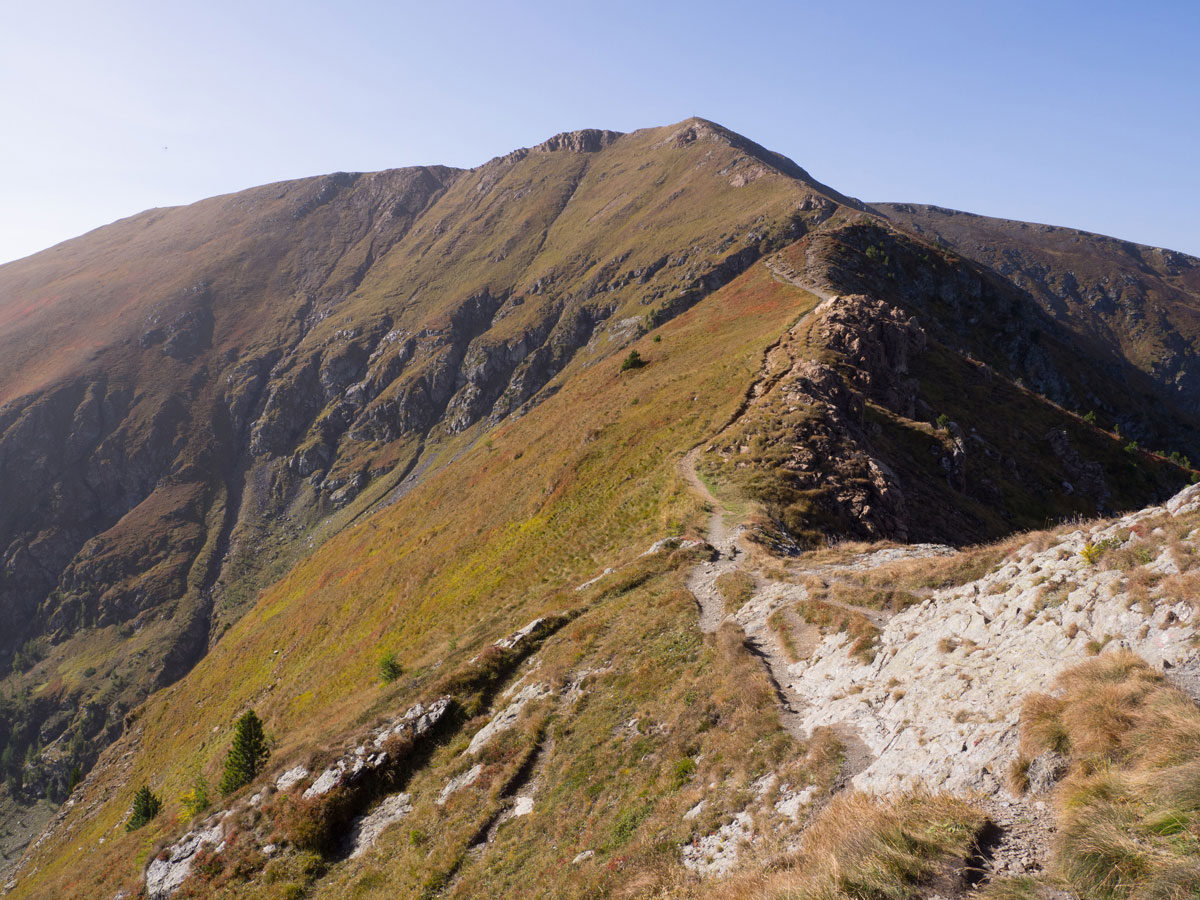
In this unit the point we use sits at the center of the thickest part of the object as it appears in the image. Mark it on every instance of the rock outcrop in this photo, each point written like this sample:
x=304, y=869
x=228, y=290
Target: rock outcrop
x=939, y=706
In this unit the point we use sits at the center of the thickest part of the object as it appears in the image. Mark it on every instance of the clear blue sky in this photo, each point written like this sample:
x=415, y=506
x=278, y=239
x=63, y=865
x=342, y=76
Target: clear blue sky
x=1075, y=113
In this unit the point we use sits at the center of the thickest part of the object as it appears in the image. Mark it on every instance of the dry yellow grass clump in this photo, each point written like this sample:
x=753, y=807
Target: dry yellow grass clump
x=862, y=847
x=1129, y=810
x=735, y=589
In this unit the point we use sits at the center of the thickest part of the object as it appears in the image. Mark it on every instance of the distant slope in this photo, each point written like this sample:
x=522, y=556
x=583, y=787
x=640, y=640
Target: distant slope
x=1139, y=301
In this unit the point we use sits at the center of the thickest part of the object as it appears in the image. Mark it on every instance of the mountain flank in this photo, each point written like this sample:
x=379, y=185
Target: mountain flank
x=431, y=469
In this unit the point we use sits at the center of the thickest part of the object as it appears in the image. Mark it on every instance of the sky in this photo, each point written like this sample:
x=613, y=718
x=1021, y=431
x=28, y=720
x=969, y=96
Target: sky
x=1084, y=114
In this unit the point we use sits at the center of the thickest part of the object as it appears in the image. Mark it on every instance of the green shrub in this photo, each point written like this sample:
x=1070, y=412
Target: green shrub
x=389, y=668
x=1091, y=553
x=683, y=771
x=632, y=361
x=146, y=805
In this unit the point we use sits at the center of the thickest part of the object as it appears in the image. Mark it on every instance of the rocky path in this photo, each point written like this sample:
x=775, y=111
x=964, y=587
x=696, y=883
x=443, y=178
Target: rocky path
x=938, y=707
x=702, y=580
x=1021, y=834
x=1019, y=840
x=753, y=616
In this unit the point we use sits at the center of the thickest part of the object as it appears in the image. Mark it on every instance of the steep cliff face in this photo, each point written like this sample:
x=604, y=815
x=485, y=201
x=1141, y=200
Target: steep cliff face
x=927, y=399
x=1135, y=301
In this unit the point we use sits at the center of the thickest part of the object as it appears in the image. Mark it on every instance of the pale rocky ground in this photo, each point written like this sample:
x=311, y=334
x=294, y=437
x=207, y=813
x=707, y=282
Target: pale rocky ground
x=939, y=705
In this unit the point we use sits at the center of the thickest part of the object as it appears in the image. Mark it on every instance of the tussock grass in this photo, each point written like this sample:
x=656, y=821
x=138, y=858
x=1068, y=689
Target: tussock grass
x=1129, y=811
x=735, y=589
x=861, y=589
x=863, y=634
x=861, y=847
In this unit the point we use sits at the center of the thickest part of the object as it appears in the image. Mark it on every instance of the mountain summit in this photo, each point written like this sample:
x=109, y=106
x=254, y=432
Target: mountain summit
x=379, y=457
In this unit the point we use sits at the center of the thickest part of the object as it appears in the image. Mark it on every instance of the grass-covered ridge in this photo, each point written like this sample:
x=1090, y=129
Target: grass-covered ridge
x=549, y=500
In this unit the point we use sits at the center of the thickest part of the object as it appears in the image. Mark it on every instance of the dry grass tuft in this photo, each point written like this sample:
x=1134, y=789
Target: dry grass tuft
x=1129, y=810
x=862, y=632
x=861, y=847
x=735, y=588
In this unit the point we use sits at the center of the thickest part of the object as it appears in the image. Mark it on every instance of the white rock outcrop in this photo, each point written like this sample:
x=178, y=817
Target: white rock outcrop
x=365, y=830
x=939, y=706
x=164, y=875
x=507, y=717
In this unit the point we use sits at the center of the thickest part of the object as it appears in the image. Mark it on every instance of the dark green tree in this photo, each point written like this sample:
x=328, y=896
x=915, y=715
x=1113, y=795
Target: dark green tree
x=247, y=755
x=632, y=361
x=146, y=805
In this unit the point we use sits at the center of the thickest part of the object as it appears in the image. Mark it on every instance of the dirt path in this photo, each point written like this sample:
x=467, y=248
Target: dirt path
x=702, y=580
x=1018, y=841
x=760, y=638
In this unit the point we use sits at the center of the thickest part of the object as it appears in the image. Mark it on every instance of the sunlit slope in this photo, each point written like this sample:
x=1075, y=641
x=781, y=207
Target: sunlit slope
x=198, y=396
x=583, y=481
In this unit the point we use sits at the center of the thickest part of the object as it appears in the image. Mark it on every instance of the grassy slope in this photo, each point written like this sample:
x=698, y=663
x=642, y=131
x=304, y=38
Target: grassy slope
x=1128, y=810
x=1129, y=295
x=583, y=481
x=278, y=257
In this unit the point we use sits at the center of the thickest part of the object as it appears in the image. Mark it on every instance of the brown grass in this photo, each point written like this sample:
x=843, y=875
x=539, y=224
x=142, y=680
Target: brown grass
x=1128, y=810
x=829, y=618
x=735, y=589
x=860, y=847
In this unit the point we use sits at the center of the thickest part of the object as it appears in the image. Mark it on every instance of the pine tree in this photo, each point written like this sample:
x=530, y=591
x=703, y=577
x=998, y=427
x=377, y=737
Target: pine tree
x=146, y=805
x=247, y=754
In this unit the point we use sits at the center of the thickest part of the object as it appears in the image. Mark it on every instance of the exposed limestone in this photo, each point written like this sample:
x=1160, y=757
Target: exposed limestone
x=507, y=717
x=1045, y=771
x=466, y=779
x=940, y=704
x=373, y=754
x=171, y=868
x=717, y=853
x=365, y=830
x=291, y=777
x=165, y=874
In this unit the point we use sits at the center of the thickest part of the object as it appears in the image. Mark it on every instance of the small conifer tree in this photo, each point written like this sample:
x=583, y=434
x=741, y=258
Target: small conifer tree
x=389, y=668
x=632, y=361
x=247, y=754
x=146, y=805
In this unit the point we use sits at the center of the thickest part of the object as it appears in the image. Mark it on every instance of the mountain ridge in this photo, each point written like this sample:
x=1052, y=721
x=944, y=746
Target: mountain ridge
x=385, y=412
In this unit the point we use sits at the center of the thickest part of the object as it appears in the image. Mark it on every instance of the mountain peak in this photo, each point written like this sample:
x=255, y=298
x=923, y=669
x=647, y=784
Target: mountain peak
x=585, y=140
